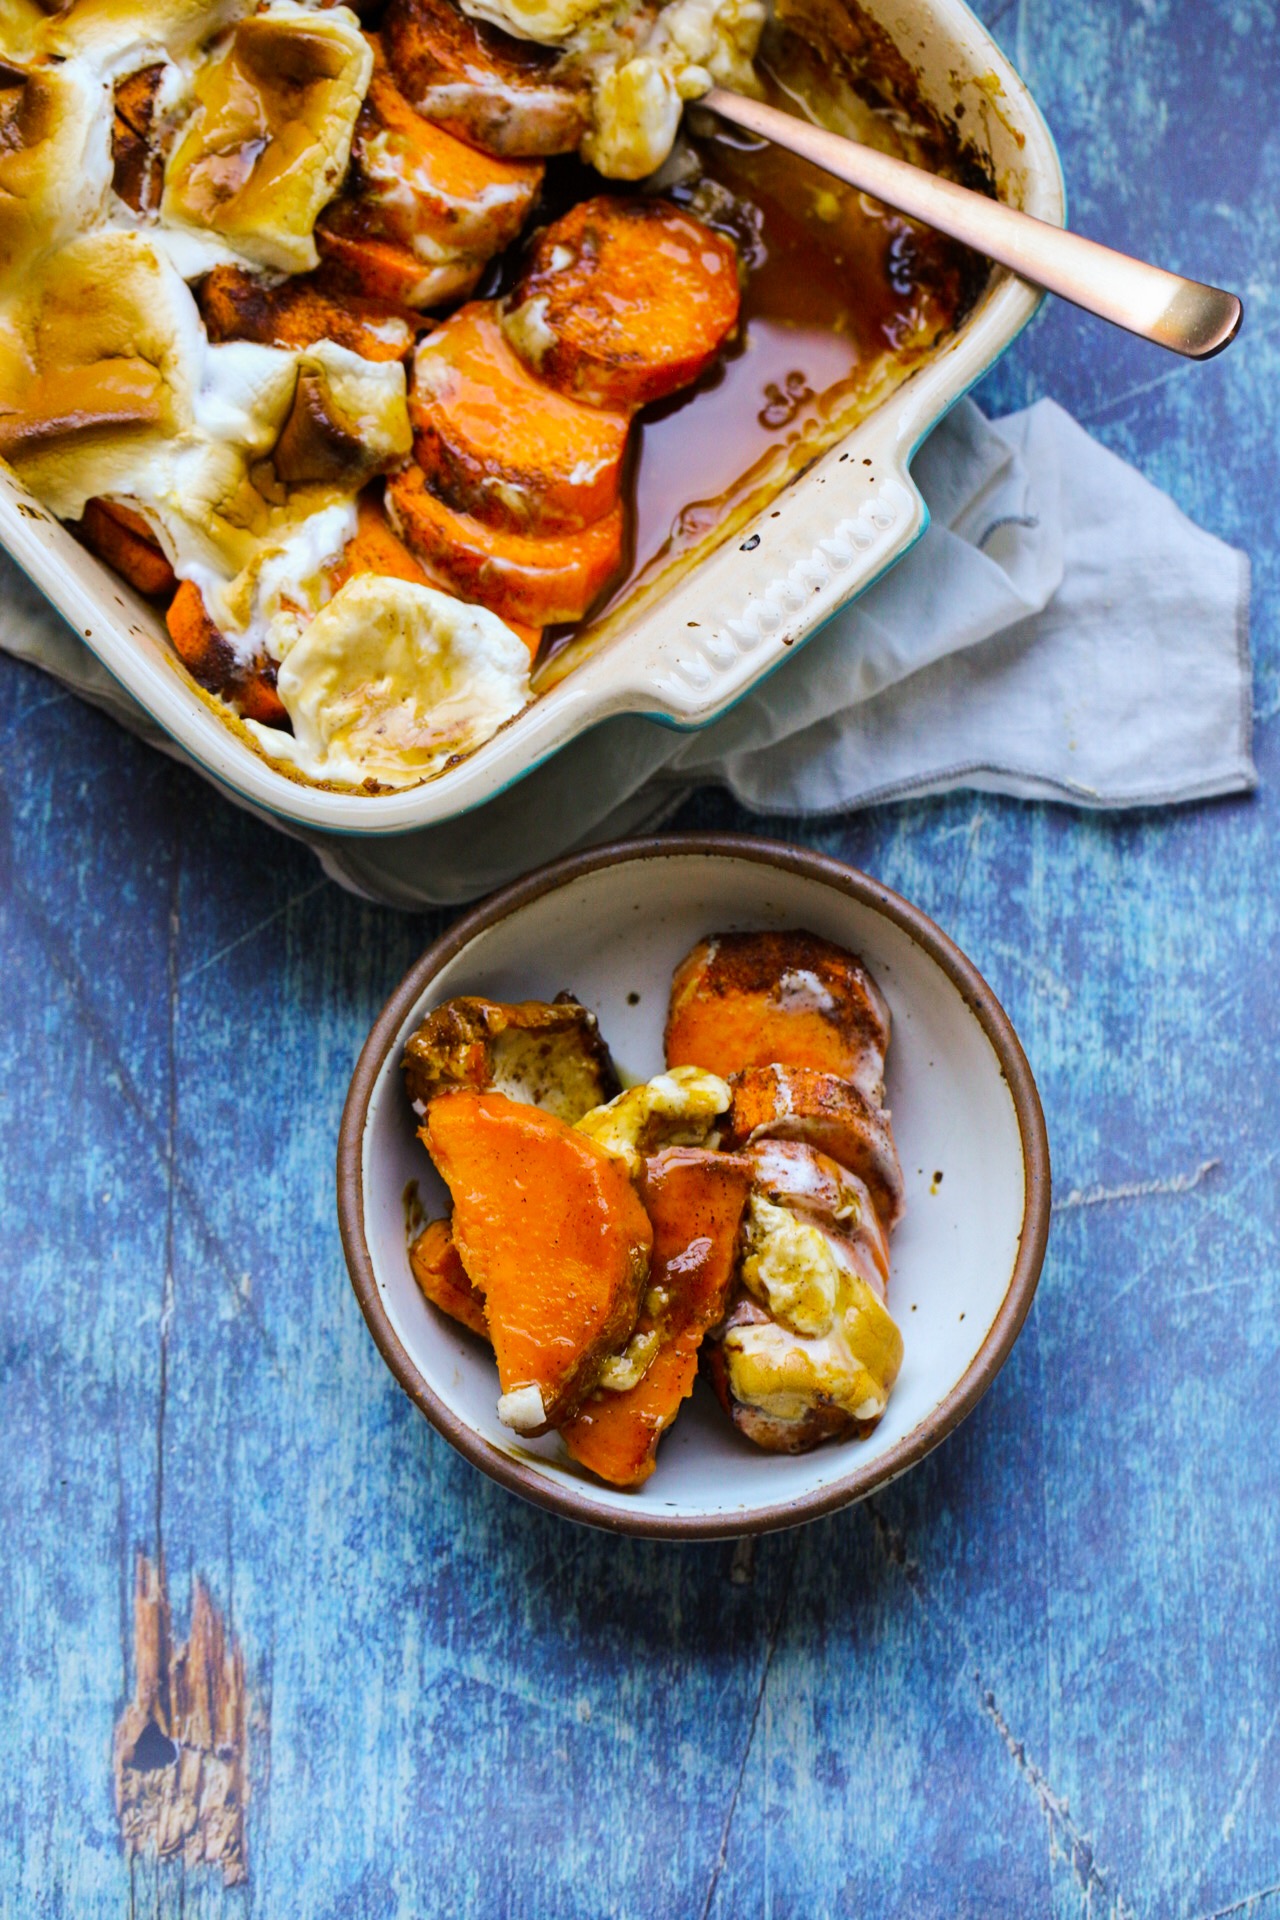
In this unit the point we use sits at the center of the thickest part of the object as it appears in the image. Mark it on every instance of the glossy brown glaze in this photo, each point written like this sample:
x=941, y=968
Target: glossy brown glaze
x=837, y=293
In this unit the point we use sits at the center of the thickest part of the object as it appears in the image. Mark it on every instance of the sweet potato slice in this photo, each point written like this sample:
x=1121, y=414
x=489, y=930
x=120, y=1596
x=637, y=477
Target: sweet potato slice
x=798, y=1103
x=236, y=305
x=124, y=540
x=695, y=1201
x=356, y=259
x=551, y=1231
x=255, y=696
x=210, y=659
x=202, y=647
x=424, y=185
x=549, y=1054
x=503, y=95
x=377, y=548
x=137, y=160
x=741, y=1000
x=442, y=1278
x=541, y=582
x=622, y=302
x=495, y=442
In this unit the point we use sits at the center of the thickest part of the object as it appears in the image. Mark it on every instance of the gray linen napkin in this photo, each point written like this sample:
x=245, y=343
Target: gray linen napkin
x=1062, y=631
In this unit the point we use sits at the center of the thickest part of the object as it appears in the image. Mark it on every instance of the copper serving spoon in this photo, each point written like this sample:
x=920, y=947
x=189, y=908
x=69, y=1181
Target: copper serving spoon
x=1183, y=315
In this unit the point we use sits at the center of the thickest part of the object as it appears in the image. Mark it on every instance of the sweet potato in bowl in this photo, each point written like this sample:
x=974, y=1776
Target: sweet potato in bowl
x=602, y=1251
x=965, y=1259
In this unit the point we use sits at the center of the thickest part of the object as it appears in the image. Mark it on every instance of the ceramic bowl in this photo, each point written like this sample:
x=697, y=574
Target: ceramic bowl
x=726, y=623
x=611, y=925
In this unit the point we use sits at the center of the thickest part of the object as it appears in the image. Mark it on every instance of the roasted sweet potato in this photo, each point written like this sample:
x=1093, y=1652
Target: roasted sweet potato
x=503, y=95
x=551, y=1231
x=236, y=305
x=203, y=649
x=495, y=442
x=622, y=302
x=550, y=1054
x=124, y=540
x=798, y=1103
x=442, y=1278
x=377, y=548
x=356, y=259
x=137, y=160
x=255, y=697
x=742, y=1000
x=211, y=661
x=430, y=190
x=540, y=582
x=695, y=1201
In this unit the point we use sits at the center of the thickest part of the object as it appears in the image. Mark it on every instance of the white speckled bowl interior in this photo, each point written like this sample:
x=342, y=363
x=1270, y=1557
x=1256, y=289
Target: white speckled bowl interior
x=728, y=621
x=611, y=927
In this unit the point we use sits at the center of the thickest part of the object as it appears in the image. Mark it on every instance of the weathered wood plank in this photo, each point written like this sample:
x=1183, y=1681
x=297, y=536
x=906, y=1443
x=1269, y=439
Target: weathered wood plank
x=1042, y=1674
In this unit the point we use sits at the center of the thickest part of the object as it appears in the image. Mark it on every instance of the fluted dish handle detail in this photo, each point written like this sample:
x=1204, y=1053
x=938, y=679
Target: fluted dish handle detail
x=1185, y=316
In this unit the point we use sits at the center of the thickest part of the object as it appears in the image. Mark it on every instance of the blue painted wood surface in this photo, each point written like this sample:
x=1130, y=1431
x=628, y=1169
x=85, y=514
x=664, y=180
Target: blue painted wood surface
x=1039, y=1676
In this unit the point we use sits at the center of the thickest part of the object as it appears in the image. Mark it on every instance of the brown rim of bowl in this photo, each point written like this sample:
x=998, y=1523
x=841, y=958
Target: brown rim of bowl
x=1032, y=1239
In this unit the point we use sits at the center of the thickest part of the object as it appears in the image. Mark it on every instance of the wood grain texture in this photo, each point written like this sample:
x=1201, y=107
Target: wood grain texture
x=1041, y=1675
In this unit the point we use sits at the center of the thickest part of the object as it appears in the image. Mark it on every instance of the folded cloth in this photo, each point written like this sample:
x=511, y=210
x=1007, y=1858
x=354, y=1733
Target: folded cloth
x=1061, y=632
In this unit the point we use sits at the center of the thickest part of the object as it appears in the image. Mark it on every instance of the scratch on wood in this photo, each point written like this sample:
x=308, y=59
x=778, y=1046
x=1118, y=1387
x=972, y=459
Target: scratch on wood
x=1066, y=1841
x=722, y=1853
x=1087, y=414
x=259, y=926
x=976, y=825
x=1248, y=1904
x=1136, y=1189
x=1049, y=983
x=1162, y=1257
x=180, y=1755
x=167, y=1299
x=99, y=1031
x=1246, y=1785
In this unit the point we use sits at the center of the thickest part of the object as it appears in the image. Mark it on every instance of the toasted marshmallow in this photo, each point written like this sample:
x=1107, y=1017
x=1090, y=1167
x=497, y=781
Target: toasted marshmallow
x=828, y=1337
x=391, y=680
x=55, y=160
x=349, y=418
x=107, y=355
x=552, y=23
x=268, y=141
x=675, y=1109
x=105, y=28
x=643, y=63
x=785, y=1374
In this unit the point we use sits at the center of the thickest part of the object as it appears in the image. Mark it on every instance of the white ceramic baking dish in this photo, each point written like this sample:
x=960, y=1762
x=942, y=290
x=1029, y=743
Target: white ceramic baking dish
x=732, y=618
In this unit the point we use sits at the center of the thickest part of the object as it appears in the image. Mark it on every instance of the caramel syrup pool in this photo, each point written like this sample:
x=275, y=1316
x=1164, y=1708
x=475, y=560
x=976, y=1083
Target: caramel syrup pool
x=835, y=286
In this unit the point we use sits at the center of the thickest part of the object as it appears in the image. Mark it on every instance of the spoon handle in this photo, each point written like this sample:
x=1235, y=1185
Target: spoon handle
x=1183, y=315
